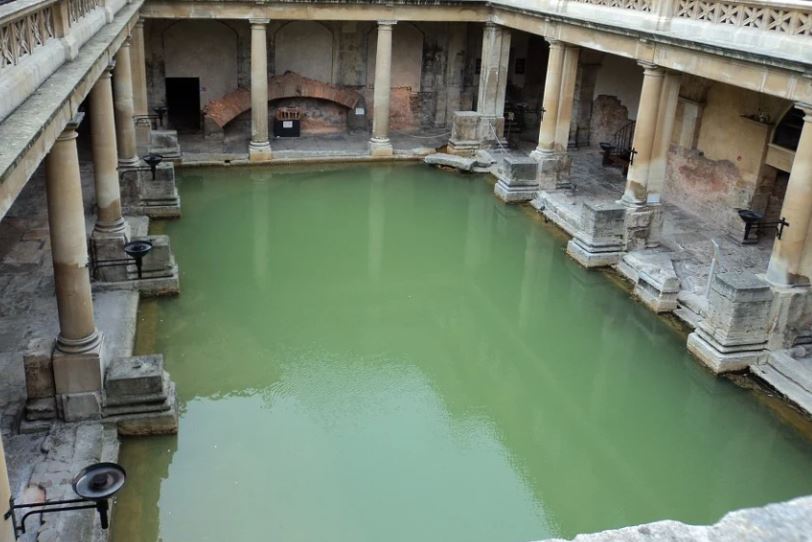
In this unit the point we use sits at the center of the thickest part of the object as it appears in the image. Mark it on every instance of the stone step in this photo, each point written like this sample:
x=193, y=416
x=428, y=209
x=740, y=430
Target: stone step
x=797, y=370
x=787, y=387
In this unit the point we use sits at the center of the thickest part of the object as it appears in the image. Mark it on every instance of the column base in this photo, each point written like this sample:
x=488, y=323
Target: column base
x=259, y=151
x=380, y=147
x=78, y=379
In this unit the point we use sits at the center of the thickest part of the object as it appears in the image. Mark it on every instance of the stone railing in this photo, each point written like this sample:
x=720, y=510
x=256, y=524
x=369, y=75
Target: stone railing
x=38, y=36
x=24, y=30
x=636, y=5
x=789, y=18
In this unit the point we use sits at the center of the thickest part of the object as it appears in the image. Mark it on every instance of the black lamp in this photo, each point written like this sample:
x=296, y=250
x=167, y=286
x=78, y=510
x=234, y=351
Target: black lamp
x=152, y=159
x=94, y=485
x=137, y=250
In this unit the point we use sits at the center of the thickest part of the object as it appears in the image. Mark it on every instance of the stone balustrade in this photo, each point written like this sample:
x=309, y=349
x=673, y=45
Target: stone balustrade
x=38, y=36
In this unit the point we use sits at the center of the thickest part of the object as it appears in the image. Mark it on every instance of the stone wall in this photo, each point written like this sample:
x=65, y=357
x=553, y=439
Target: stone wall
x=431, y=77
x=716, y=161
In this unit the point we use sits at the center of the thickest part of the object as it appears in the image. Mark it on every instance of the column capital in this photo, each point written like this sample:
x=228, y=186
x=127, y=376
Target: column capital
x=258, y=21
x=128, y=41
x=387, y=24
x=69, y=132
x=107, y=73
x=651, y=69
x=554, y=42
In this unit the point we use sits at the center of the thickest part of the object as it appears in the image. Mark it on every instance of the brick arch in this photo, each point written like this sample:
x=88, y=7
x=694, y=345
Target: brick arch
x=289, y=85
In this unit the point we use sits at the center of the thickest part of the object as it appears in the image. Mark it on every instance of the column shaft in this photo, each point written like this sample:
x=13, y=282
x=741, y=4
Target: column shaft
x=260, y=147
x=139, y=81
x=666, y=117
x=793, y=250
x=125, y=126
x=66, y=219
x=636, y=192
x=552, y=92
x=6, y=530
x=105, y=157
x=569, y=75
x=380, y=144
x=493, y=70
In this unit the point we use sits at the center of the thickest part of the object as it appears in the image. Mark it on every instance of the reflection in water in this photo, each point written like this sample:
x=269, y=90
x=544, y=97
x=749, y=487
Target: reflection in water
x=456, y=379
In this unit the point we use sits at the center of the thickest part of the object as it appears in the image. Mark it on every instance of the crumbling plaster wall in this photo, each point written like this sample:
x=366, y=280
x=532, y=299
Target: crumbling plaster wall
x=615, y=95
x=430, y=69
x=716, y=162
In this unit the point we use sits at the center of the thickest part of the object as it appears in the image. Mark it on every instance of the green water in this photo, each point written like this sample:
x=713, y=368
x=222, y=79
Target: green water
x=368, y=353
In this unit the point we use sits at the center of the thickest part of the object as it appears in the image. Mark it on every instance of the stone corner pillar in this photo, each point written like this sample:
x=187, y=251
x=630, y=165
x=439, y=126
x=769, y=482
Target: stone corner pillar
x=636, y=191
x=791, y=259
x=379, y=143
x=259, y=149
x=77, y=361
x=493, y=77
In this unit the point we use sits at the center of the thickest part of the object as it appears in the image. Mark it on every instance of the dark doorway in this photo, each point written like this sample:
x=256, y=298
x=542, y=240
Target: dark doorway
x=183, y=103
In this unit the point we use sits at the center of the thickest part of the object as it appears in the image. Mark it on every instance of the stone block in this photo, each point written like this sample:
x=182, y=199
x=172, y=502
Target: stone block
x=165, y=143
x=734, y=332
x=643, y=226
x=590, y=257
x=39, y=375
x=107, y=253
x=465, y=126
x=450, y=160
x=160, y=259
x=381, y=147
x=75, y=407
x=599, y=241
x=40, y=409
x=77, y=373
x=516, y=179
x=139, y=375
x=162, y=187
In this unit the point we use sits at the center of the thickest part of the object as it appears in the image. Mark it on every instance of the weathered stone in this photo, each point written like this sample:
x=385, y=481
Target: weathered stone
x=75, y=407
x=464, y=138
x=450, y=160
x=76, y=373
x=165, y=143
x=733, y=334
x=39, y=375
x=139, y=375
x=599, y=241
x=516, y=179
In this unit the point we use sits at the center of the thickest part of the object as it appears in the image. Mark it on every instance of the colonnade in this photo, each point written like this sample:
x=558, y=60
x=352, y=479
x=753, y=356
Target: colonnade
x=259, y=148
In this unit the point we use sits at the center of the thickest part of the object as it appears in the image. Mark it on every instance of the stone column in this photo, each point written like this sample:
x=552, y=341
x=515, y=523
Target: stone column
x=666, y=116
x=552, y=92
x=569, y=75
x=636, y=192
x=66, y=218
x=789, y=263
x=139, y=81
x=125, y=109
x=105, y=158
x=260, y=147
x=493, y=81
x=379, y=144
x=77, y=366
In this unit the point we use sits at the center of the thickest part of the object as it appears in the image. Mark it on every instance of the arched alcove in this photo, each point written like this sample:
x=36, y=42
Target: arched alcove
x=788, y=132
x=407, y=56
x=306, y=48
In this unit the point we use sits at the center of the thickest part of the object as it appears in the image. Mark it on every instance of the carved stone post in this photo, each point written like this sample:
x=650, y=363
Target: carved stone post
x=379, y=144
x=260, y=147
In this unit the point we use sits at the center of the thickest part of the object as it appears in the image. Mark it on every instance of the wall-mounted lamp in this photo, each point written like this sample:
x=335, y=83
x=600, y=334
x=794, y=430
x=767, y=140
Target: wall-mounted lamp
x=94, y=485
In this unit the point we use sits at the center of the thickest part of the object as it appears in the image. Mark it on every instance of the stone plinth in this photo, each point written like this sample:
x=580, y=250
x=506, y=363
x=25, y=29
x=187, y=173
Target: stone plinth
x=140, y=396
x=791, y=317
x=165, y=143
x=78, y=383
x=733, y=334
x=516, y=179
x=599, y=243
x=156, y=198
x=644, y=223
x=657, y=284
x=464, y=138
x=106, y=253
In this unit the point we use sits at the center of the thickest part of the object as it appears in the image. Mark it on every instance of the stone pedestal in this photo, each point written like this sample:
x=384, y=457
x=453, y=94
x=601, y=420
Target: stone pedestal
x=644, y=224
x=553, y=170
x=600, y=241
x=140, y=396
x=791, y=317
x=156, y=198
x=106, y=249
x=78, y=383
x=517, y=179
x=165, y=143
x=464, y=140
x=733, y=334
